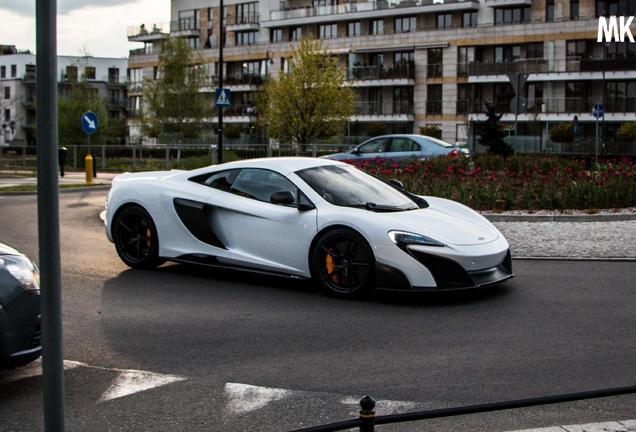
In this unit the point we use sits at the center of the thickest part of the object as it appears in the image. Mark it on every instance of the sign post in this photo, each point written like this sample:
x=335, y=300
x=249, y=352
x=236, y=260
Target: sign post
x=89, y=125
x=598, y=110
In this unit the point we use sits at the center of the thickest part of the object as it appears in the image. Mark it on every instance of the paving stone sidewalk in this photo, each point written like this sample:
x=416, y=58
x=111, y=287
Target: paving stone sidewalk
x=571, y=240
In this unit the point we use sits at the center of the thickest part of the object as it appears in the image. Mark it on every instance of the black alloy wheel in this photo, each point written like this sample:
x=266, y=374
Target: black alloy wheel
x=136, y=238
x=343, y=263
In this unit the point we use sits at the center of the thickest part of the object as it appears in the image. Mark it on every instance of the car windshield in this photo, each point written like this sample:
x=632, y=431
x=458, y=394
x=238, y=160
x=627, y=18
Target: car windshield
x=345, y=185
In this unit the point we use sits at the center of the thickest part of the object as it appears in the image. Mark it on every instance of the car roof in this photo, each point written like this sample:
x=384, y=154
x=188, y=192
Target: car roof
x=284, y=165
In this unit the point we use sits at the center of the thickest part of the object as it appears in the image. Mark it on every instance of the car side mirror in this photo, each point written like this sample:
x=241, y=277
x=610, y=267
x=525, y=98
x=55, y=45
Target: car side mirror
x=284, y=197
x=355, y=152
x=396, y=183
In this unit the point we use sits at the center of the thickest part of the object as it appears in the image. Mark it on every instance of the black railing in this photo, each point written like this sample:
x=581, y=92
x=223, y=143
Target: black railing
x=367, y=420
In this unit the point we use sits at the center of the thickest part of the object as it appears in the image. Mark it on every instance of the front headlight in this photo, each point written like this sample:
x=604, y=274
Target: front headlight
x=403, y=239
x=23, y=269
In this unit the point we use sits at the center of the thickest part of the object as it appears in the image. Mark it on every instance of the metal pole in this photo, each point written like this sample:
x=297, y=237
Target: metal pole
x=48, y=216
x=221, y=40
x=518, y=75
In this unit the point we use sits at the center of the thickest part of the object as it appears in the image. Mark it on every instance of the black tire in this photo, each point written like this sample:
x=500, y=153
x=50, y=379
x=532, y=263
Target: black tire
x=342, y=263
x=136, y=238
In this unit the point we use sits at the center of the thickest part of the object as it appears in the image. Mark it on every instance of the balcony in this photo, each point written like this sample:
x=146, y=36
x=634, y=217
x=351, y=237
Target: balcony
x=380, y=73
x=185, y=27
x=352, y=11
x=243, y=22
x=142, y=34
x=384, y=111
x=569, y=106
x=539, y=66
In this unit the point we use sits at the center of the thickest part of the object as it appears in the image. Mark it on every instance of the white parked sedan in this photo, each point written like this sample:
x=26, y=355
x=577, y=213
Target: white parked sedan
x=304, y=218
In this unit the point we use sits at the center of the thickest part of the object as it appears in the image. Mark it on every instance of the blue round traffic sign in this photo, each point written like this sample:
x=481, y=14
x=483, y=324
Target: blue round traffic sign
x=598, y=110
x=89, y=122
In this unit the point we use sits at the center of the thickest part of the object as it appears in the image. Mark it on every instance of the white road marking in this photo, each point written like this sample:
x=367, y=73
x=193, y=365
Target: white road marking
x=244, y=398
x=127, y=382
x=134, y=381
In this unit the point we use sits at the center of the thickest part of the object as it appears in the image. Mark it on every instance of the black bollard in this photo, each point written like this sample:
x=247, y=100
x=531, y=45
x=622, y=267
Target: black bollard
x=367, y=414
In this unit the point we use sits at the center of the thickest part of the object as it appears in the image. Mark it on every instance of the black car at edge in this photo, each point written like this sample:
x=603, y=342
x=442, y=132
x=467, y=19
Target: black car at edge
x=19, y=309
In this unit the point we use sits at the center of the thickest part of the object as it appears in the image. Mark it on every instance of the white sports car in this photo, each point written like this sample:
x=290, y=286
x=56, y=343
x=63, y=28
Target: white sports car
x=304, y=218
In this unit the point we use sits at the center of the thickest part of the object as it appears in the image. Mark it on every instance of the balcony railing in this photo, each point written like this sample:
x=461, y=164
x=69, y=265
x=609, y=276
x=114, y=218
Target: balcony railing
x=572, y=105
x=385, y=108
x=253, y=18
x=347, y=8
x=566, y=64
x=362, y=73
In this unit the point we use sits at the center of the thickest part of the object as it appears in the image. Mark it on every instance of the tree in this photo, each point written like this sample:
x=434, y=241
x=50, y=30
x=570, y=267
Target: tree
x=432, y=131
x=492, y=135
x=627, y=132
x=377, y=129
x=231, y=132
x=82, y=98
x=310, y=101
x=173, y=103
x=562, y=133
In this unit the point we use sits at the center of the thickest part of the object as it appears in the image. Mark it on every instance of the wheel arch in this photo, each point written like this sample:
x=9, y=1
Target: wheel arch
x=328, y=229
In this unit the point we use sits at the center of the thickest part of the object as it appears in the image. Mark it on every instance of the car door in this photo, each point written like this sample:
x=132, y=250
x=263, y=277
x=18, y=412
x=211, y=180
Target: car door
x=403, y=150
x=261, y=234
x=375, y=148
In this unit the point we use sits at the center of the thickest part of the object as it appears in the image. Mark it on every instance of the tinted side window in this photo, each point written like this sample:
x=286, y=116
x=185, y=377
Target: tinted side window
x=260, y=184
x=219, y=180
x=403, y=145
x=379, y=145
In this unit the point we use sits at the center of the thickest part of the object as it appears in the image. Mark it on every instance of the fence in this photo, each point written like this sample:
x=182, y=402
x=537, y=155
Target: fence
x=142, y=158
x=367, y=419
x=186, y=157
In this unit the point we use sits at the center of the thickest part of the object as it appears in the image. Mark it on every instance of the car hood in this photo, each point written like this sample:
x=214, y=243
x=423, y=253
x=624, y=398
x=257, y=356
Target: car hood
x=8, y=250
x=451, y=228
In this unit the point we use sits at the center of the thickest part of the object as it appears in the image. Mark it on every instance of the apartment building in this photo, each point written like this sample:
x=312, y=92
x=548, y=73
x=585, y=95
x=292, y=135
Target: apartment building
x=18, y=80
x=415, y=63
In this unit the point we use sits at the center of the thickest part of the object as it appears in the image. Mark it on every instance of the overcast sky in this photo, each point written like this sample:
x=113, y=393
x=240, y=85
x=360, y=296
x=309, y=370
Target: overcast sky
x=95, y=27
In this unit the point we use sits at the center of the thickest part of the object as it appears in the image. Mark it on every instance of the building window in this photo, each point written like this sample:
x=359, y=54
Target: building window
x=7, y=115
x=71, y=74
x=403, y=100
x=295, y=34
x=405, y=25
x=90, y=72
x=113, y=75
x=328, y=31
x=465, y=56
x=276, y=35
x=247, y=13
x=134, y=106
x=189, y=20
x=3, y=71
x=193, y=42
x=534, y=50
x=434, y=99
x=7, y=92
x=434, y=67
x=507, y=53
x=246, y=38
x=515, y=15
x=353, y=29
x=574, y=9
x=113, y=97
x=469, y=19
x=14, y=71
x=377, y=27
x=549, y=10
x=444, y=21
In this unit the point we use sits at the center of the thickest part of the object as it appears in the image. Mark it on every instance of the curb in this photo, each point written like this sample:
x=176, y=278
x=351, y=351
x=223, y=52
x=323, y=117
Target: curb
x=561, y=218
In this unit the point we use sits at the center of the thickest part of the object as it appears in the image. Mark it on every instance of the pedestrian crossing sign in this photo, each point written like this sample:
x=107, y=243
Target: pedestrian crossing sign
x=222, y=97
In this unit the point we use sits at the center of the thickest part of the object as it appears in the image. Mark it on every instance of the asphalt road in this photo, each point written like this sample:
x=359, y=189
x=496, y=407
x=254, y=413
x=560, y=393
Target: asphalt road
x=190, y=348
